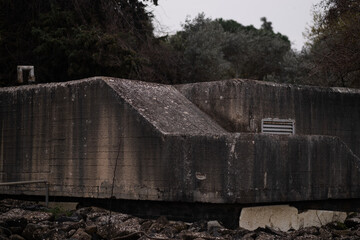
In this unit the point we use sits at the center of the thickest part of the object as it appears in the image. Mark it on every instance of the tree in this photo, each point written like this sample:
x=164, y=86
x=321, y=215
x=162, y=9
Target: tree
x=266, y=26
x=200, y=45
x=72, y=39
x=218, y=49
x=334, y=43
x=254, y=53
x=89, y=38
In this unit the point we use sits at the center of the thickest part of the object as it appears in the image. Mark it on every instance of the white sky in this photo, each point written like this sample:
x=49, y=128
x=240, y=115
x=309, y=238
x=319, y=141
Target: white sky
x=289, y=17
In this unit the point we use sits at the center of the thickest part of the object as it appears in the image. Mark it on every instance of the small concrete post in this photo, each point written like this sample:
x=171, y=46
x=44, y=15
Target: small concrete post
x=20, y=69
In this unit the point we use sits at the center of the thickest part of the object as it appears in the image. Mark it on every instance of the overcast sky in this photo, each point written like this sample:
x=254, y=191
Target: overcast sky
x=289, y=17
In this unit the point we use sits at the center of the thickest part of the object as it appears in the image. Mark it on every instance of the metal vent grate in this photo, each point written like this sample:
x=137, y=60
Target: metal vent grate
x=278, y=126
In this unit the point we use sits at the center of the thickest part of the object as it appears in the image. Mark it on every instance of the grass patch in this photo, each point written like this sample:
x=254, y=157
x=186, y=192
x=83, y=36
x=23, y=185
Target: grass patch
x=59, y=212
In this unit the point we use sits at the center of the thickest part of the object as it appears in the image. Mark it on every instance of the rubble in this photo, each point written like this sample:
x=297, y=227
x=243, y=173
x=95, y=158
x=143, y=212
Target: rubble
x=28, y=220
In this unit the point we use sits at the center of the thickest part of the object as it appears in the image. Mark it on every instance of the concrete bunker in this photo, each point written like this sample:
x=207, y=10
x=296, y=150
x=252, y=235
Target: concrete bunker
x=181, y=144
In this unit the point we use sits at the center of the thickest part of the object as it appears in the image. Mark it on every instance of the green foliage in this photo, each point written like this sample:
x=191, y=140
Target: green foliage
x=218, y=49
x=266, y=26
x=231, y=26
x=74, y=39
x=59, y=212
x=80, y=51
x=201, y=45
x=334, y=44
x=255, y=54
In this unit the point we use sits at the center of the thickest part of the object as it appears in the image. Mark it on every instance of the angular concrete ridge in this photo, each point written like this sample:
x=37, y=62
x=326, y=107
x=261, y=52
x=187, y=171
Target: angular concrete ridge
x=165, y=108
x=198, y=142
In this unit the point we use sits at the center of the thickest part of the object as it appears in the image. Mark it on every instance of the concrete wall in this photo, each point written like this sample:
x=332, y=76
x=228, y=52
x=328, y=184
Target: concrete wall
x=71, y=134
x=160, y=146
x=248, y=168
x=239, y=106
x=77, y=135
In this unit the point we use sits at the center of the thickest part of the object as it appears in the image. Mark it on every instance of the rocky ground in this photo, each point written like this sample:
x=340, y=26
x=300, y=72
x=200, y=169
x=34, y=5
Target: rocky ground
x=27, y=220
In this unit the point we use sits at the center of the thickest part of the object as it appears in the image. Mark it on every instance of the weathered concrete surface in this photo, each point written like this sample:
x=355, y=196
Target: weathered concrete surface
x=239, y=105
x=165, y=108
x=284, y=218
x=74, y=133
x=154, y=144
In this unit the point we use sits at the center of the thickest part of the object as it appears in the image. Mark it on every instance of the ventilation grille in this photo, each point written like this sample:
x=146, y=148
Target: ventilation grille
x=278, y=126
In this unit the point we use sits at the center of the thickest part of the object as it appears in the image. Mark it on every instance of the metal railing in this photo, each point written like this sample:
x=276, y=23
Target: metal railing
x=31, y=182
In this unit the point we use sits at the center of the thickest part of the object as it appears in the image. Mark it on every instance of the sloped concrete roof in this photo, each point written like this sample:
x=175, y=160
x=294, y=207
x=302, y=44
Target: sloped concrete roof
x=165, y=107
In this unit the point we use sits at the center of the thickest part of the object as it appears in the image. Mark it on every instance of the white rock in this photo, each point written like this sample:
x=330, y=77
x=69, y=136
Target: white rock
x=284, y=217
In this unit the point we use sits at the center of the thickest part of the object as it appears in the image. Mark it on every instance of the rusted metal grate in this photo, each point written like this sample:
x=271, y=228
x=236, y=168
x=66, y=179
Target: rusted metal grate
x=278, y=126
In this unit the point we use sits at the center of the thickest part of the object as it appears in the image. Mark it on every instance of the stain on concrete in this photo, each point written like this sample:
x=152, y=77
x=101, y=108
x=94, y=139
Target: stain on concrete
x=316, y=110
x=190, y=143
